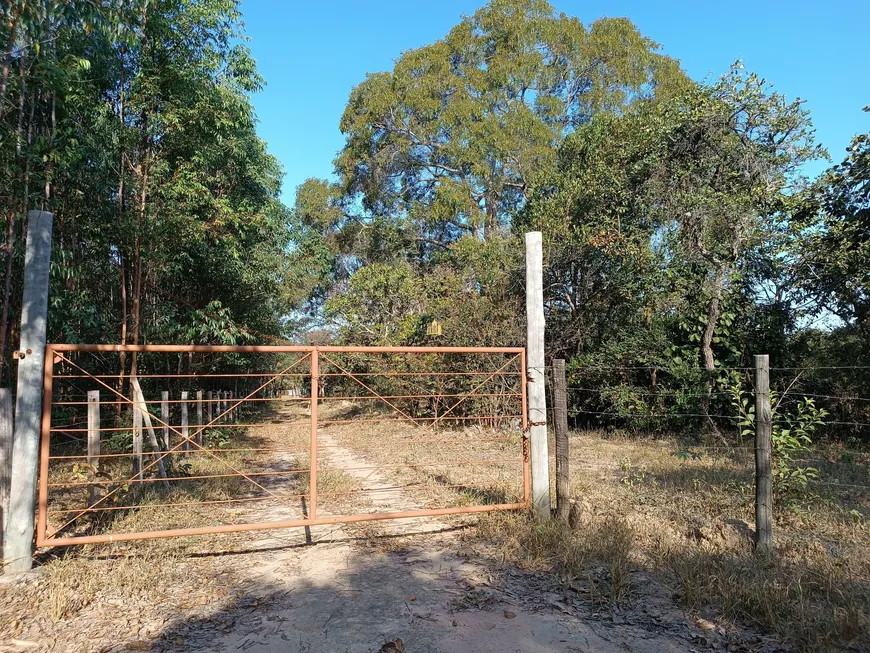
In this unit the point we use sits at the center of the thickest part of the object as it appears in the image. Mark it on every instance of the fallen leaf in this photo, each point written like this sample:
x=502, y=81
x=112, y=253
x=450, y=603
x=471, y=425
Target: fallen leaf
x=509, y=615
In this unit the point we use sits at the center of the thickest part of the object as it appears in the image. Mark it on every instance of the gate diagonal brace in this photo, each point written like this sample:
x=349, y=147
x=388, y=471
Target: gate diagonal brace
x=183, y=440
x=428, y=427
x=471, y=393
x=374, y=393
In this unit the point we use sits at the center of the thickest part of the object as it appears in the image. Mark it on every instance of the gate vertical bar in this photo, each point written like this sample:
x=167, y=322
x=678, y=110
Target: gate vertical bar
x=44, y=445
x=527, y=469
x=312, y=474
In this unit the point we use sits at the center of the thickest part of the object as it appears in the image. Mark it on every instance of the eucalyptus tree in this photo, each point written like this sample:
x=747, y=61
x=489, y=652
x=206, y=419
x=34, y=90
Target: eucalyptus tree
x=132, y=121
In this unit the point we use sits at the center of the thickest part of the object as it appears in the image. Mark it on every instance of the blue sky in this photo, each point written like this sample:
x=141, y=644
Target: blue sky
x=311, y=55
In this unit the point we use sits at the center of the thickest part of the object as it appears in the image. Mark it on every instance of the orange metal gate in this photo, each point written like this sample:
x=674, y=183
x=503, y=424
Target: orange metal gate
x=212, y=439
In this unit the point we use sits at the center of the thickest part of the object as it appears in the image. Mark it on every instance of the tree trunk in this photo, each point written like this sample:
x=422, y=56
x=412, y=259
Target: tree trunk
x=10, y=46
x=714, y=311
x=122, y=161
x=10, y=227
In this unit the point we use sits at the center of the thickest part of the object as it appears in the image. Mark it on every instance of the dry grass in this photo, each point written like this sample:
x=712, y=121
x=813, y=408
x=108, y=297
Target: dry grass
x=686, y=521
x=681, y=521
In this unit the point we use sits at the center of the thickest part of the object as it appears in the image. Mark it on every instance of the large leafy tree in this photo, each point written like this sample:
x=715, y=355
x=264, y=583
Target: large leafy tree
x=659, y=220
x=451, y=142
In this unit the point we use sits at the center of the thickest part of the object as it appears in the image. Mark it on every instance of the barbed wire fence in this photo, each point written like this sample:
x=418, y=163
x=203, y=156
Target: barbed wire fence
x=758, y=415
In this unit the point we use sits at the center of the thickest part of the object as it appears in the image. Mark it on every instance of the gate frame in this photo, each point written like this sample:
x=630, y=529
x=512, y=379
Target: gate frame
x=53, y=354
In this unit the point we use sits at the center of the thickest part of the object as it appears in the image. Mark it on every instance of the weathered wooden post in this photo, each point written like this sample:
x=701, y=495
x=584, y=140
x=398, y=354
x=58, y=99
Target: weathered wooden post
x=763, y=465
x=164, y=415
x=209, y=406
x=137, y=441
x=32, y=367
x=537, y=398
x=5, y=457
x=199, y=417
x=184, y=431
x=560, y=425
x=139, y=399
x=94, y=443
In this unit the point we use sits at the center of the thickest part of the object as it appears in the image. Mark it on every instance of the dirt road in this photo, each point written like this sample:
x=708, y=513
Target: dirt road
x=418, y=580
x=348, y=589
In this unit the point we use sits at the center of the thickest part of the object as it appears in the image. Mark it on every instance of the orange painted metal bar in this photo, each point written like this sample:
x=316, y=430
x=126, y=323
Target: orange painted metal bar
x=452, y=463
x=160, y=479
x=420, y=486
x=206, y=375
x=418, y=419
x=203, y=427
x=45, y=442
x=194, y=375
x=315, y=393
x=392, y=443
x=289, y=523
x=140, y=506
x=124, y=455
x=355, y=397
x=527, y=463
x=265, y=349
x=289, y=398
x=180, y=401
x=418, y=443
x=392, y=374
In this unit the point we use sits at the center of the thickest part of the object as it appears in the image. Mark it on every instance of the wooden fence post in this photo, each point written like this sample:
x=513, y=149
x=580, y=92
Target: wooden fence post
x=137, y=440
x=232, y=404
x=199, y=417
x=560, y=424
x=18, y=550
x=209, y=405
x=537, y=396
x=94, y=443
x=164, y=415
x=145, y=415
x=5, y=457
x=184, y=431
x=763, y=465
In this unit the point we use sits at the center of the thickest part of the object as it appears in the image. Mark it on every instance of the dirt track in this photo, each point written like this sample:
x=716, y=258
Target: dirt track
x=353, y=588
x=358, y=587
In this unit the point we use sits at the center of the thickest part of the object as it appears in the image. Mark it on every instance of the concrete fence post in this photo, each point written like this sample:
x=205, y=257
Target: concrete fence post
x=537, y=397
x=18, y=551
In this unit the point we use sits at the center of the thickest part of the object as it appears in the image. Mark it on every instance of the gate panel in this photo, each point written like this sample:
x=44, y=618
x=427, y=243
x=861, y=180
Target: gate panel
x=209, y=439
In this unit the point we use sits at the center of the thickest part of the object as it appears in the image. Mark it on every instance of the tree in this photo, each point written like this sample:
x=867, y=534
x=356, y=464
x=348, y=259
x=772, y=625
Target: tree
x=132, y=122
x=836, y=246
x=664, y=209
x=451, y=142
